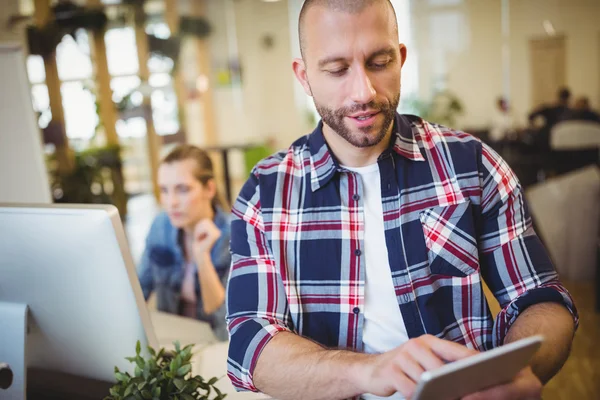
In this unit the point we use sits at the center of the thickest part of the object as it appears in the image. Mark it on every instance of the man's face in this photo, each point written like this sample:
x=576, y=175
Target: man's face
x=352, y=66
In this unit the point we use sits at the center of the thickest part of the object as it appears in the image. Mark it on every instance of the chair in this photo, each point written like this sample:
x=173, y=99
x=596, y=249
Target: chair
x=566, y=210
x=574, y=144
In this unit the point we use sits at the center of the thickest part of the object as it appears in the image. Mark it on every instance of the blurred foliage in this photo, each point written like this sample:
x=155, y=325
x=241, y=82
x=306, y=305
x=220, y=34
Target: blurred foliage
x=443, y=108
x=163, y=376
x=96, y=178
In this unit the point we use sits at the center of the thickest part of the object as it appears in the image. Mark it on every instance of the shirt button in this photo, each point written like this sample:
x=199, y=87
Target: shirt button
x=356, y=197
x=356, y=310
x=357, y=252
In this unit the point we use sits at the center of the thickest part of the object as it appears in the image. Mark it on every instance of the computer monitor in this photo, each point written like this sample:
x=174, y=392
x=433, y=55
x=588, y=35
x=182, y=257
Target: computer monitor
x=71, y=266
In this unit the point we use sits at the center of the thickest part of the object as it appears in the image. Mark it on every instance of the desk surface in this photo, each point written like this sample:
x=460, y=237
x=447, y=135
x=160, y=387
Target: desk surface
x=210, y=356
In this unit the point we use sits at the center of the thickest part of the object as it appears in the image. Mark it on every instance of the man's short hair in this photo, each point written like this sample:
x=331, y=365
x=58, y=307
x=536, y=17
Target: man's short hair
x=564, y=94
x=347, y=6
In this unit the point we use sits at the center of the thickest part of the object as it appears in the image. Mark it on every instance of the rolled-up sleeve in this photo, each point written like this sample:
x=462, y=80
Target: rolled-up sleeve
x=257, y=307
x=514, y=262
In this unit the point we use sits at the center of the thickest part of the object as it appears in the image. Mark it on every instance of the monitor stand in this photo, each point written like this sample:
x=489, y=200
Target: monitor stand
x=12, y=347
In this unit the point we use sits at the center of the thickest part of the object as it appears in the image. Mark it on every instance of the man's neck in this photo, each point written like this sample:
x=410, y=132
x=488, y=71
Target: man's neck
x=352, y=156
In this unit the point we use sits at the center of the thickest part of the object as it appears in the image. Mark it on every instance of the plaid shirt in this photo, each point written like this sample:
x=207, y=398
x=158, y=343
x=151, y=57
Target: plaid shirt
x=454, y=216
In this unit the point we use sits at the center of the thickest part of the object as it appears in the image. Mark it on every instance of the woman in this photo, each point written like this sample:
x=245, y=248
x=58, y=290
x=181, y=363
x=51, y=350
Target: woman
x=186, y=260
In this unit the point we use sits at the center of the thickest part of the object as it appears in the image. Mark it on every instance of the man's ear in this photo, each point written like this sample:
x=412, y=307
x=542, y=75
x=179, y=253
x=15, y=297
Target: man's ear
x=403, y=53
x=300, y=71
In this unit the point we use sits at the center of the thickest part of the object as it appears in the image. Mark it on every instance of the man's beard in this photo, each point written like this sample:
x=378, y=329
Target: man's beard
x=335, y=120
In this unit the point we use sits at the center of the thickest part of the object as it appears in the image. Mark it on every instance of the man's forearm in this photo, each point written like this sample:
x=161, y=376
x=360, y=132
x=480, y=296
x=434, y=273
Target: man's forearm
x=292, y=367
x=555, y=323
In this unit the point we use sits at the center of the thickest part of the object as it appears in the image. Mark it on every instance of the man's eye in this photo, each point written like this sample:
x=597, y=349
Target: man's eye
x=380, y=65
x=338, y=72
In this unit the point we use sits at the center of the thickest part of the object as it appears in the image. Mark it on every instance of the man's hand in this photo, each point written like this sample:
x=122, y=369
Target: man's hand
x=206, y=234
x=399, y=370
x=525, y=386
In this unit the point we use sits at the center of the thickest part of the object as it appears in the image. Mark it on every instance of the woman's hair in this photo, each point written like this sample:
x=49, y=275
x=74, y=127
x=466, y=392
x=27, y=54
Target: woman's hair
x=203, y=170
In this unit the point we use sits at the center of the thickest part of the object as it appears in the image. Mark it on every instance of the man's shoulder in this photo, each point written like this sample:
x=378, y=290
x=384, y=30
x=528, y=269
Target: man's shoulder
x=292, y=158
x=430, y=134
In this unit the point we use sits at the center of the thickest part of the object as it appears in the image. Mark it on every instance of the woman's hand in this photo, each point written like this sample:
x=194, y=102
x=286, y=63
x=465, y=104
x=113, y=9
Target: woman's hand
x=206, y=235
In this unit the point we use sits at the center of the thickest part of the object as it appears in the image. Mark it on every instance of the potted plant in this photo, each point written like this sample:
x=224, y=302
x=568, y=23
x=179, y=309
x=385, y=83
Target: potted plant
x=163, y=376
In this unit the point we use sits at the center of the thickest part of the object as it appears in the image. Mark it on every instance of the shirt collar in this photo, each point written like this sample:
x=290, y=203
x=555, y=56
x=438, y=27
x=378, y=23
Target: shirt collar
x=323, y=165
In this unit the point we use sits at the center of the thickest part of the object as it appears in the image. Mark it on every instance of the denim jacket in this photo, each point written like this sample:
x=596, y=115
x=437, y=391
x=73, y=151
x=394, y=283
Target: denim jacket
x=162, y=265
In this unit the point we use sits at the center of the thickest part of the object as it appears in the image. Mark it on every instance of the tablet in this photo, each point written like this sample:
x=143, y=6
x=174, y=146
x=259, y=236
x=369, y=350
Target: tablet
x=481, y=371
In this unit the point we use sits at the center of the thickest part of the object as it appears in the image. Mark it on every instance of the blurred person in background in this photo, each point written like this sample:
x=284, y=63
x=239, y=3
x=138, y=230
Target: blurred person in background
x=503, y=123
x=186, y=259
x=550, y=115
x=583, y=112
x=553, y=113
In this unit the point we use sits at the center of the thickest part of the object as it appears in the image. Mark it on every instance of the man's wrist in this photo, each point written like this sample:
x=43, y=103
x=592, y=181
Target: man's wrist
x=355, y=368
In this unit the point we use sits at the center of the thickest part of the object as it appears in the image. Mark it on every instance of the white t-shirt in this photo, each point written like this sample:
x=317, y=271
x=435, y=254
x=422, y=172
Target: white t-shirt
x=384, y=327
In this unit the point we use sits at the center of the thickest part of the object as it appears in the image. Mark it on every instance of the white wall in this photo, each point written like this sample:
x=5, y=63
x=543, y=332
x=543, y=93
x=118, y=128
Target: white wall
x=463, y=43
x=579, y=21
x=264, y=106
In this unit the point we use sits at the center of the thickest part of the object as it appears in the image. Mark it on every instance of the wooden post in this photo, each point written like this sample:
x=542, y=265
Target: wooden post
x=172, y=18
x=108, y=114
x=143, y=54
x=198, y=9
x=64, y=156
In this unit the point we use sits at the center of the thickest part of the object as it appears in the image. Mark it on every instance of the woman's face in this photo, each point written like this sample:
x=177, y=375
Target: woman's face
x=185, y=199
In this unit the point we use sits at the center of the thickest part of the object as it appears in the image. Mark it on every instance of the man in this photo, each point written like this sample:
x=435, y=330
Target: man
x=358, y=254
x=503, y=125
x=583, y=112
x=553, y=114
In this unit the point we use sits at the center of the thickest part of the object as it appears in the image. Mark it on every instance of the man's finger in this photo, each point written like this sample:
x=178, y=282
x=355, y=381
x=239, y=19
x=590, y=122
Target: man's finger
x=447, y=350
x=402, y=383
x=425, y=357
x=409, y=367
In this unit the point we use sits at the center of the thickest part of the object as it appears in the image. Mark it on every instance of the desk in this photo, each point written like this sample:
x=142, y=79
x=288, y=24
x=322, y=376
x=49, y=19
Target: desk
x=210, y=356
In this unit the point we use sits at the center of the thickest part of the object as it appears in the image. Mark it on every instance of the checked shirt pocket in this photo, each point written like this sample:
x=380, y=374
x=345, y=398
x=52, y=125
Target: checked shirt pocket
x=450, y=239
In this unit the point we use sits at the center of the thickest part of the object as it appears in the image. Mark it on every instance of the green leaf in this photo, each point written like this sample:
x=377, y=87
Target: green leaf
x=146, y=372
x=177, y=346
x=114, y=392
x=138, y=371
x=151, y=351
x=142, y=385
x=178, y=362
x=140, y=362
x=121, y=377
x=146, y=395
x=130, y=359
x=213, y=381
x=156, y=392
x=183, y=371
x=138, y=348
x=186, y=396
x=188, y=348
x=179, y=383
x=128, y=391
